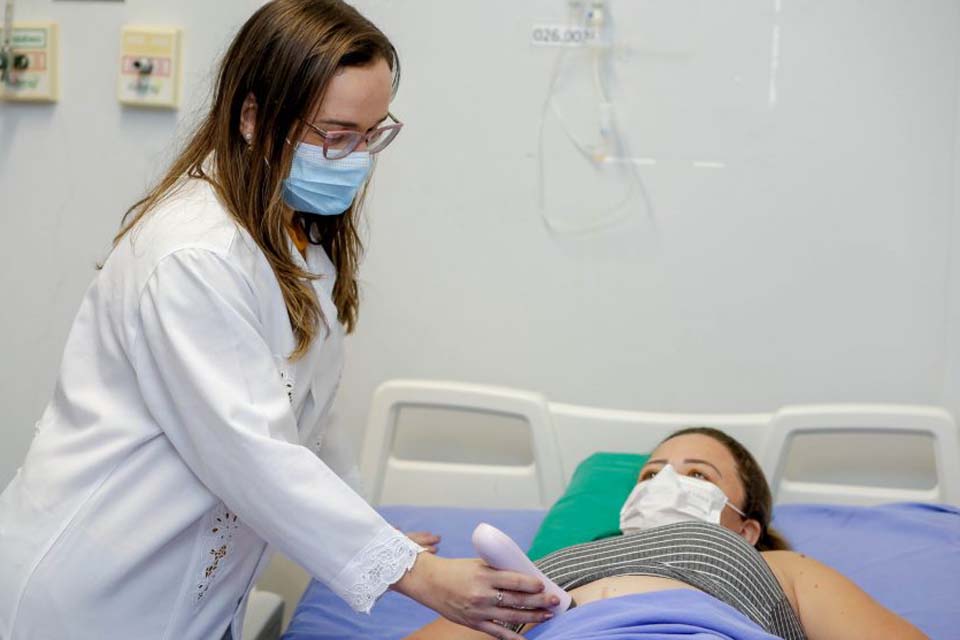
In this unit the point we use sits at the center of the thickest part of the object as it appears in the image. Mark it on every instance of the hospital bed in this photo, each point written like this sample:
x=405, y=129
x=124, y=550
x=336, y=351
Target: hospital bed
x=884, y=535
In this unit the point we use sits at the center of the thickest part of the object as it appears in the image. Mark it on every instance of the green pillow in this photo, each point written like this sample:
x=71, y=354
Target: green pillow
x=590, y=507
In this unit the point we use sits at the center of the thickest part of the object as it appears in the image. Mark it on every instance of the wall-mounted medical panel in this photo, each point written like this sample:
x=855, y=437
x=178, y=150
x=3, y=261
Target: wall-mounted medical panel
x=149, y=67
x=32, y=62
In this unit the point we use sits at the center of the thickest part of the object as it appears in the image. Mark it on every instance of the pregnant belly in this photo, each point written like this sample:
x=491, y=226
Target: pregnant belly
x=620, y=586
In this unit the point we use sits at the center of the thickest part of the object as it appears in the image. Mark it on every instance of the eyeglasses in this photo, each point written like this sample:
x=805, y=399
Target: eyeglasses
x=340, y=144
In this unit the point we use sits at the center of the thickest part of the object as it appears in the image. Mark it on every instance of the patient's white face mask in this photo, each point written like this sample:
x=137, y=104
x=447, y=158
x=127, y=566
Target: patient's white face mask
x=669, y=497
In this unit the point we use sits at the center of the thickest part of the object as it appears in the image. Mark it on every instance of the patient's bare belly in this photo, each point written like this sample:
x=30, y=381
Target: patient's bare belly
x=620, y=586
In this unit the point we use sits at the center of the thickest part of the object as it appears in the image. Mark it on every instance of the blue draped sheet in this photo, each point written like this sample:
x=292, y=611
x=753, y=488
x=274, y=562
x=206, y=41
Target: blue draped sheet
x=660, y=615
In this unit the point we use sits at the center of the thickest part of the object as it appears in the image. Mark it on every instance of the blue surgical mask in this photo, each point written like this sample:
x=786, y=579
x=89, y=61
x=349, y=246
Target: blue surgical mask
x=321, y=186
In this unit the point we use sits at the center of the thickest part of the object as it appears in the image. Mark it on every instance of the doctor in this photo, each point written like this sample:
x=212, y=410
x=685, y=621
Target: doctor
x=185, y=427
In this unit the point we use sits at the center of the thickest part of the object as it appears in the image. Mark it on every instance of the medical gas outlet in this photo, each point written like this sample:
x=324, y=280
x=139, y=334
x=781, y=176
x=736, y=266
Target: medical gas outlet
x=149, y=67
x=28, y=62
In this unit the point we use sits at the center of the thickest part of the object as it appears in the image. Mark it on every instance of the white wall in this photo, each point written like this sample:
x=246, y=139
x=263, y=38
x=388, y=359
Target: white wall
x=68, y=171
x=814, y=266
x=811, y=261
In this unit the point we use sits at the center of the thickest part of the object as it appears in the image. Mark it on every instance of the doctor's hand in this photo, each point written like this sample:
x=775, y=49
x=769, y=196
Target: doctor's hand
x=468, y=592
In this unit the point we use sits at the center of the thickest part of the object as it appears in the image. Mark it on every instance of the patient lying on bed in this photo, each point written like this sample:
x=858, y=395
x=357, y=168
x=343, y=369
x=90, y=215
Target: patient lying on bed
x=697, y=543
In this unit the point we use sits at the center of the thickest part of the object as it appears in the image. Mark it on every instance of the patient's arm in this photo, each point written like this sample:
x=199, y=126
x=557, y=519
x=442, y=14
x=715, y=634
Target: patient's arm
x=425, y=539
x=831, y=607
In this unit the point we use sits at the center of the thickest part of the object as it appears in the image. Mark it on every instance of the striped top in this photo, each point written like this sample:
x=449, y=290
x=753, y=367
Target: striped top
x=706, y=556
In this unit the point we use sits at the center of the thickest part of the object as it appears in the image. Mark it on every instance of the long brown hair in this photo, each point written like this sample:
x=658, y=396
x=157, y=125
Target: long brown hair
x=285, y=56
x=758, y=504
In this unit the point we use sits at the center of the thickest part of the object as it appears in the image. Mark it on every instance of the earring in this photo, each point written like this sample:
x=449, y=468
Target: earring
x=248, y=137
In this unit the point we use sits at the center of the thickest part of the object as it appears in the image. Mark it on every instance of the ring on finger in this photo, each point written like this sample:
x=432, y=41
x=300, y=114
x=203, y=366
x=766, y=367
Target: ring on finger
x=499, y=598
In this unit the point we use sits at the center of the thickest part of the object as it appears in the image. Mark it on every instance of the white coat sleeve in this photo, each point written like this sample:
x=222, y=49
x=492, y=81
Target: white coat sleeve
x=339, y=454
x=209, y=378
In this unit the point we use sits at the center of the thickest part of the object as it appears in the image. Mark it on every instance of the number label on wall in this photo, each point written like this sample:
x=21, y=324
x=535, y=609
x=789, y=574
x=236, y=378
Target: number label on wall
x=562, y=35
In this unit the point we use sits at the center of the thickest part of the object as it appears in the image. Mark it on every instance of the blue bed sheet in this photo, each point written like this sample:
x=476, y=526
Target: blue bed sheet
x=907, y=556
x=323, y=616
x=675, y=614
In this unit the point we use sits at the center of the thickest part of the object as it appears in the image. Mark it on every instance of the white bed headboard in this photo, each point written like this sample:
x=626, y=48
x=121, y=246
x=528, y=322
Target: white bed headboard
x=562, y=435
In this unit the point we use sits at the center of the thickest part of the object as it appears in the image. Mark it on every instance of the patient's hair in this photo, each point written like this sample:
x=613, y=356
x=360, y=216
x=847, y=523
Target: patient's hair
x=758, y=504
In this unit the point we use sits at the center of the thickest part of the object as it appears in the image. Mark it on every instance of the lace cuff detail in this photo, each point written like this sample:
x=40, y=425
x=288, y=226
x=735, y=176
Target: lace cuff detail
x=377, y=566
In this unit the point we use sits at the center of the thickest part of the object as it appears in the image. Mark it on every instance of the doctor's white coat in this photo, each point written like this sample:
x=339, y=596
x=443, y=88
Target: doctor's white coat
x=179, y=442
